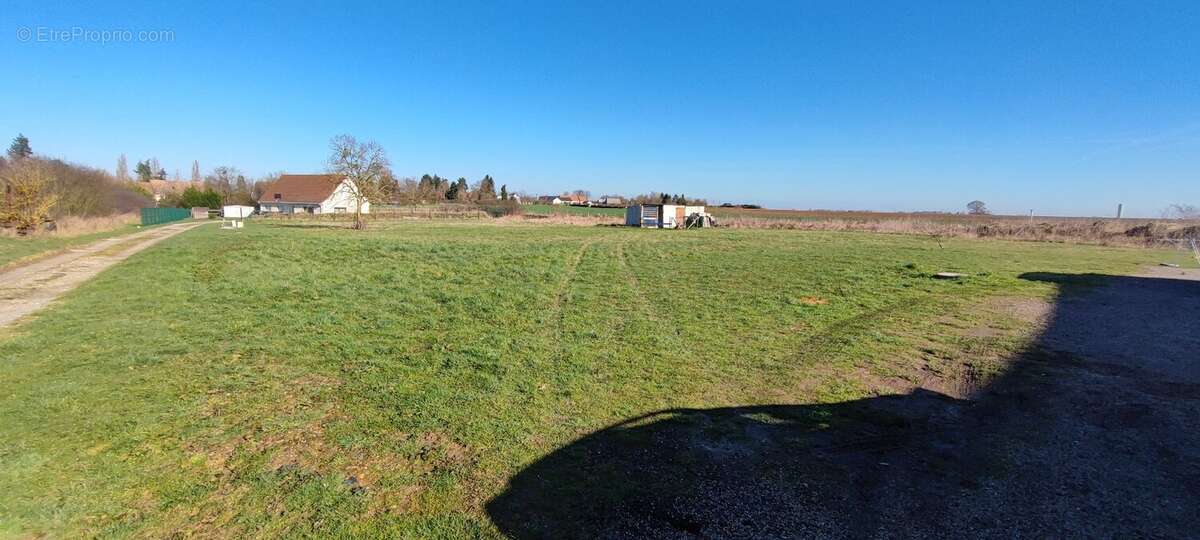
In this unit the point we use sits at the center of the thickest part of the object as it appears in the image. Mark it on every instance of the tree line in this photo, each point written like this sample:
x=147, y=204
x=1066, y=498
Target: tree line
x=655, y=197
x=432, y=189
x=223, y=185
x=37, y=189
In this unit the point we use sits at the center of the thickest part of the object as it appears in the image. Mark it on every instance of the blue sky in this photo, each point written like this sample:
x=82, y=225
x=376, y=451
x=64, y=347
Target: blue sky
x=1059, y=107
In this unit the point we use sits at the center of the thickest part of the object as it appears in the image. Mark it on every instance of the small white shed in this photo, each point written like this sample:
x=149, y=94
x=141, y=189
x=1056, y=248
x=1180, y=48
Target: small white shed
x=235, y=211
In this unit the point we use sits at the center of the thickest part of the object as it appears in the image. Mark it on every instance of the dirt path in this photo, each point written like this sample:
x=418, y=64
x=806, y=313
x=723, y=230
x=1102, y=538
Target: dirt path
x=28, y=288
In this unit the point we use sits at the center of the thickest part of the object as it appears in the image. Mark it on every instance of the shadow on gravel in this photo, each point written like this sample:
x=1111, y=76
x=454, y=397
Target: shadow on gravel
x=1094, y=432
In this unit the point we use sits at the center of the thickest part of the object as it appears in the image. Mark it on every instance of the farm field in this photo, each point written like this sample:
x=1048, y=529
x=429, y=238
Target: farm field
x=568, y=210
x=306, y=381
x=817, y=215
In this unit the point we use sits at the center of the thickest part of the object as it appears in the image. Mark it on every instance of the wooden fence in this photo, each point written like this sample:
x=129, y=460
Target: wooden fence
x=381, y=213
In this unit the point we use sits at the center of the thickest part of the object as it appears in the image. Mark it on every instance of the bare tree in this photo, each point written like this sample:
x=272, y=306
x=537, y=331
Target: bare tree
x=365, y=167
x=156, y=169
x=29, y=195
x=122, y=169
x=1182, y=211
x=260, y=186
x=977, y=208
x=222, y=180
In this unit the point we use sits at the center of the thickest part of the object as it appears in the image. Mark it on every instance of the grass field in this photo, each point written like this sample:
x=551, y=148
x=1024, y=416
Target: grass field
x=287, y=380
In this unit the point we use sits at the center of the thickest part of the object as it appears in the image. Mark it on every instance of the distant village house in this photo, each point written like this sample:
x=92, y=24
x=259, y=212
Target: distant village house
x=310, y=194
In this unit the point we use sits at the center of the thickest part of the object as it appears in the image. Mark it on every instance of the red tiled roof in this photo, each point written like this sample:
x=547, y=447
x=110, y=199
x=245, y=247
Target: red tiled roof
x=301, y=188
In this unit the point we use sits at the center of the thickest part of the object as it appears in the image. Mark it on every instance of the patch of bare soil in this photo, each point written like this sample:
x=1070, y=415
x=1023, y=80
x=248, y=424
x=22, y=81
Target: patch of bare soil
x=1093, y=432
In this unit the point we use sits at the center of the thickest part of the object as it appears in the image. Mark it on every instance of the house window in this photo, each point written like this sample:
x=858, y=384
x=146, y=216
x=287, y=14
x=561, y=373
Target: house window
x=278, y=196
x=339, y=210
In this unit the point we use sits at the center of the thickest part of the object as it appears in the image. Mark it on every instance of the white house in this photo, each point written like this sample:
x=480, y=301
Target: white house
x=310, y=194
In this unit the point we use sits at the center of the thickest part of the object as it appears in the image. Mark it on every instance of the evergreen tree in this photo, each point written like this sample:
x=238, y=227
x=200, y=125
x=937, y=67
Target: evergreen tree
x=487, y=188
x=504, y=192
x=463, y=189
x=143, y=171
x=20, y=148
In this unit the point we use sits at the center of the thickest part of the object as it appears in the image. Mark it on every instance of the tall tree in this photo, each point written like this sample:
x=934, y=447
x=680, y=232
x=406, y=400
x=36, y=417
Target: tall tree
x=221, y=180
x=365, y=168
x=241, y=191
x=196, y=171
x=487, y=188
x=504, y=192
x=122, y=169
x=143, y=171
x=20, y=149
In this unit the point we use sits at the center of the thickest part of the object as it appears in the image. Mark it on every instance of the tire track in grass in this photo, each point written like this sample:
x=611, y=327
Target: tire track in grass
x=560, y=353
x=670, y=330
x=636, y=285
x=555, y=322
x=828, y=358
x=564, y=287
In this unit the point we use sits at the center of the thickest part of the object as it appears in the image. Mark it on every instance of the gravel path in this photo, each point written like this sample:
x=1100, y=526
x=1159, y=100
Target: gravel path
x=28, y=288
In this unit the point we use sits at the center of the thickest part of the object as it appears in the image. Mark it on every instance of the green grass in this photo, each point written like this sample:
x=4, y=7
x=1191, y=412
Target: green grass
x=549, y=209
x=18, y=249
x=229, y=383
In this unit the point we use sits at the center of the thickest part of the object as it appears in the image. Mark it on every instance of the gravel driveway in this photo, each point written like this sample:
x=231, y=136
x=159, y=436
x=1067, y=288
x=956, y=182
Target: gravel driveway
x=28, y=288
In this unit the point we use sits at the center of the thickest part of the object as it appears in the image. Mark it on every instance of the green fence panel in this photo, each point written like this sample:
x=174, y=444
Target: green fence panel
x=154, y=216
